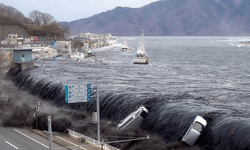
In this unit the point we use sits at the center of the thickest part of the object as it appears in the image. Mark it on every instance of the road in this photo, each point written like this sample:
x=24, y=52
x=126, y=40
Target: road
x=25, y=139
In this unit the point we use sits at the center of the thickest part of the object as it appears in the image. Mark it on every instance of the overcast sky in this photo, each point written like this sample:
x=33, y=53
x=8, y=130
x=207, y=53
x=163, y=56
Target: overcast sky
x=70, y=10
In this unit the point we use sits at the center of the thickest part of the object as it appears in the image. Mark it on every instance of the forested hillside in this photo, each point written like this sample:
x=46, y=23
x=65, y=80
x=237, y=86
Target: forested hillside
x=37, y=24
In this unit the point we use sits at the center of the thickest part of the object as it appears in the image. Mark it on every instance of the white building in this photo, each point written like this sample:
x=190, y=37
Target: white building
x=43, y=52
x=64, y=46
x=12, y=39
x=90, y=36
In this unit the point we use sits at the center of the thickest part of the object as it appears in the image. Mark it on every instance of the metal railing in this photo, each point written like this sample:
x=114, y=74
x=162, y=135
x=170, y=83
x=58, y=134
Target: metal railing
x=91, y=141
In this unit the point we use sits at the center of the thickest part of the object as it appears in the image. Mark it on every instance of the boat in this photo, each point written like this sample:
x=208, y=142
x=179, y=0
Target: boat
x=89, y=53
x=76, y=55
x=125, y=47
x=141, y=56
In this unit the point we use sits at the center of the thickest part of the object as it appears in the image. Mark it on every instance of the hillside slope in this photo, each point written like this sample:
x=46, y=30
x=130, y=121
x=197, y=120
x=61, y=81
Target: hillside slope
x=168, y=17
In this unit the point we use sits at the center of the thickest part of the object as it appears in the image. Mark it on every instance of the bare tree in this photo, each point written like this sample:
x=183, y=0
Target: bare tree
x=36, y=17
x=66, y=31
x=47, y=18
x=77, y=44
x=40, y=18
x=8, y=11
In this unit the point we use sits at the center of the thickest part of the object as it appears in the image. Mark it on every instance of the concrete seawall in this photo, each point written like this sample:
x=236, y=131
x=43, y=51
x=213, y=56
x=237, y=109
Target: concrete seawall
x=11, y=29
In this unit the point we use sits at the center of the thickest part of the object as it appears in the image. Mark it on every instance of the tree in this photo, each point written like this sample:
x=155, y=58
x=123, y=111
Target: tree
x=36, y=17
x=47, y=18
x=8, y=11
x=66, y=31
x=53, y=29
x=77, y=44
x=40, y=18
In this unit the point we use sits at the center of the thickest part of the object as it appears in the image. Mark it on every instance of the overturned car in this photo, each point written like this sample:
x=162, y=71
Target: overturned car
x=133, y=120
x=194, y=130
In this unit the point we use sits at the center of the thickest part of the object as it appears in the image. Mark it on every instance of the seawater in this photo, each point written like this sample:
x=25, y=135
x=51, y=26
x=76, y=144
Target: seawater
x=185, y=77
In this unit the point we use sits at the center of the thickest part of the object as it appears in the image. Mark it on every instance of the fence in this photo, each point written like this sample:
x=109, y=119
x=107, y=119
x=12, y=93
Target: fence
x=91, y=141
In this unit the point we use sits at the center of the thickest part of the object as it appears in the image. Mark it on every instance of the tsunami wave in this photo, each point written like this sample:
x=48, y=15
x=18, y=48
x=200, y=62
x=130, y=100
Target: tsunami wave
x=170, y=115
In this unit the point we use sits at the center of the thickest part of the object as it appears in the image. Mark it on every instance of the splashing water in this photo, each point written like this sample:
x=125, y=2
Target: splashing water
x=200, y=76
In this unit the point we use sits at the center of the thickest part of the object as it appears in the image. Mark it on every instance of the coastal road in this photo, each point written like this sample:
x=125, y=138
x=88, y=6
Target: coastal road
x=25, y=139
x=12, y=139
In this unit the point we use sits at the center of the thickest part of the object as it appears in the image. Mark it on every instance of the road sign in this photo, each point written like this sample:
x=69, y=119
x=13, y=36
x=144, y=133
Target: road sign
x=77, y=93
x=34, y=38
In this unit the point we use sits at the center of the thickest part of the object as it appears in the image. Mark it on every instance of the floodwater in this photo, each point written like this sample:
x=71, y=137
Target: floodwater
x=185, y=77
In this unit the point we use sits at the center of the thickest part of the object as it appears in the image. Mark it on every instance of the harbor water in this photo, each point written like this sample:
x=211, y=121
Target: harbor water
x=185, y=77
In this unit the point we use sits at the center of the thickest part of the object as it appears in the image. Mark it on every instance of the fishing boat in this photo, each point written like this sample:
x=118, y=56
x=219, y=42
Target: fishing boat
x=89, y=53
x=76, y=55
x=125, y=47
x=141, y=56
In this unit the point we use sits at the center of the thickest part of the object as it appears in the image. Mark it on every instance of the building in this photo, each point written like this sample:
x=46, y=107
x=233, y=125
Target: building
x=99, y=40
x=43, y=52
x=90, y=36
x=85, y=41
x=63, y=46
x=23, y=58
x=12, y=39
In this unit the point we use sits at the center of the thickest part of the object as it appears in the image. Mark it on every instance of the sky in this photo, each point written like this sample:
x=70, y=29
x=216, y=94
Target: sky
x=70, y=10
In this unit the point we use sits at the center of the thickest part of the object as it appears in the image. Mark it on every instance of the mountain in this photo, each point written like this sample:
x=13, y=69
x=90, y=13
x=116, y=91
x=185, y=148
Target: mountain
x=171, y=18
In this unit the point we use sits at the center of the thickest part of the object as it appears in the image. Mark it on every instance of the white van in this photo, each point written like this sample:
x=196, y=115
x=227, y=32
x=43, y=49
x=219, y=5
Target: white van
x=194, y=130
x=134, y=120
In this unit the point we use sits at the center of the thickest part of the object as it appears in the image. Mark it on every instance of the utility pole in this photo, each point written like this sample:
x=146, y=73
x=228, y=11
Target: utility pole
x=98, y=113
x=0, y=33
x=50, y=133
x=102, y=144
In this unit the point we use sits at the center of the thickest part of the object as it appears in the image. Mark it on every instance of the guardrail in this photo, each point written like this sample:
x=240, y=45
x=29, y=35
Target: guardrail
x=91, y=140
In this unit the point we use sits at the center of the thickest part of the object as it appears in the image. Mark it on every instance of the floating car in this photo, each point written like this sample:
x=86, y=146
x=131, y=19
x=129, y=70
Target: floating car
x=194, y=130
x=133, y=120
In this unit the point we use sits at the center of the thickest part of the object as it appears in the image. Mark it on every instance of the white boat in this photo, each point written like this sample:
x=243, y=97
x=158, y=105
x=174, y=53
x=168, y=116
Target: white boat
x=89, y=53
x=76, y=55
x=125, y=47
x=141, y=56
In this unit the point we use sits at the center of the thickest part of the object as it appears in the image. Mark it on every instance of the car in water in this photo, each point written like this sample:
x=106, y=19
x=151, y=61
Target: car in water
x=194, y=130
x=134, y=120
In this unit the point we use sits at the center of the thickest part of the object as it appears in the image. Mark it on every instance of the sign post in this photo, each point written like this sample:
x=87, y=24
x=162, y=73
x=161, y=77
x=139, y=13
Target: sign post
x=98, y=113
x=82, y=93
x=77, y=93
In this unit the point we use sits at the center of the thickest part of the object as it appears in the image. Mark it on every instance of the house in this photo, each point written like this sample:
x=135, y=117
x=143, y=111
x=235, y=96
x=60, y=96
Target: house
x=20, y=40
x=23, y=58
x=12, y=39
x=99, y=40
x=90, y=36
x=64, y=47
x=43, y=52
x=85, y=41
